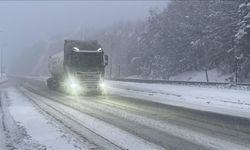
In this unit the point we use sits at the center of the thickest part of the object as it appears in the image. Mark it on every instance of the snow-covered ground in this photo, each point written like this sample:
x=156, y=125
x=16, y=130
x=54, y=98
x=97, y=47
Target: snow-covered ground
x=214, y=75
x=123, y=138
x=27, y=127
x=120, y=137
x=224, y=101
x=22, y=119
x=2, y=136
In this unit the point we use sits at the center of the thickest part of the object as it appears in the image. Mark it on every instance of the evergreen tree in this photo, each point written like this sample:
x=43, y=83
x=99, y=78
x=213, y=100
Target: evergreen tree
x=242, y=39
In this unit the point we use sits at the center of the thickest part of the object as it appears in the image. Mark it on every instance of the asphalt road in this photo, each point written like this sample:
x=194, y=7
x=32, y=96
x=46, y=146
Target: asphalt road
x=167, y=126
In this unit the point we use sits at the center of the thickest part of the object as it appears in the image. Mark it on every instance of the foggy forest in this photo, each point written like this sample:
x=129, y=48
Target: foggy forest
x=183, y=36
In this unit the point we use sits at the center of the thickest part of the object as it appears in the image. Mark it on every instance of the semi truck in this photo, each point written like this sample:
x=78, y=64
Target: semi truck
x=79, y=68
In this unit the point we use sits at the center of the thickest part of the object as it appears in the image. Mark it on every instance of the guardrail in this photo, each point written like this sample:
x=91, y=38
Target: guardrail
x=180, y=82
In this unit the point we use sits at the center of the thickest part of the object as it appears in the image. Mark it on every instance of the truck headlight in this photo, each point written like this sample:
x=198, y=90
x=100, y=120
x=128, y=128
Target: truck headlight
x=73, y=86
x=102, y=85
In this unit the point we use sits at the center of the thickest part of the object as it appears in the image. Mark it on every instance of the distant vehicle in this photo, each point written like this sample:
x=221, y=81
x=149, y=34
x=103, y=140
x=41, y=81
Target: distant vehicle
x=79, y=69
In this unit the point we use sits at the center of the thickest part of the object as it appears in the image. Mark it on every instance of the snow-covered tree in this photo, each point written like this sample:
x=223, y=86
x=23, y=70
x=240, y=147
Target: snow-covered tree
x=242, y=39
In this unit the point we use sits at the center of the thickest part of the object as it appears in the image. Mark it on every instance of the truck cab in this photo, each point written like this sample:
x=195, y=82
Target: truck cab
x=83, y=67
x=85, y=62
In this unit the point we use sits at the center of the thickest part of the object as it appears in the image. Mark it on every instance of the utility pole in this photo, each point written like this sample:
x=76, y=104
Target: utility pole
x=111, y=58
x=1, y=62
x=206, y=75
x=1, y=65
x=119, y=71
x=206, y=61
x=237, y=59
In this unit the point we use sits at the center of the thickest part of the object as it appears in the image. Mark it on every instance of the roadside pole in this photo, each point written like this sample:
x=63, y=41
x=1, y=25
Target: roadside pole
x=111, y=58
x=119, y=71
x=1, y=62
x=1, y=65
x=237, y=59
x=206, y=75
x=110, y=73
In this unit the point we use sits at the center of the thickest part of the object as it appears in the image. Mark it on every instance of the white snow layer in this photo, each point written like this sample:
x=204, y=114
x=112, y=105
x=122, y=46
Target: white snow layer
x=223, y=101
x=114, y=134
x=36, y=124
x=2, y=137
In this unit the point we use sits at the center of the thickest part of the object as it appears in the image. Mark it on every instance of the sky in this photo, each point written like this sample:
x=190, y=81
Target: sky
x=23, y=23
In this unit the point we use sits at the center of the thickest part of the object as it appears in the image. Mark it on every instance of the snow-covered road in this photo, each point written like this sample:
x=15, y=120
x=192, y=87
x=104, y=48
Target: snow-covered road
x=118, y=120
x=27, y=127
x=110, y=133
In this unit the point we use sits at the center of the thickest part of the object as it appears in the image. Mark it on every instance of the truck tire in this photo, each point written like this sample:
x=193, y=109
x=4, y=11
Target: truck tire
x=52, y=84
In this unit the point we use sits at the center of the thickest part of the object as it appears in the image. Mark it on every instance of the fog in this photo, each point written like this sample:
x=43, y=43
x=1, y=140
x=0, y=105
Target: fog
x=24, y=23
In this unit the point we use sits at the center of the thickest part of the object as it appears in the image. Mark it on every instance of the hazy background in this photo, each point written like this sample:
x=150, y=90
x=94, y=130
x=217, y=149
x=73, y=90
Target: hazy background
x=172, y=40
x=25, y=23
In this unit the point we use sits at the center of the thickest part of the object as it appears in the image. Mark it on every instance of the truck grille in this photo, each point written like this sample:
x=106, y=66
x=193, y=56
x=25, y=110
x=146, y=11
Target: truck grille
x=89, y=80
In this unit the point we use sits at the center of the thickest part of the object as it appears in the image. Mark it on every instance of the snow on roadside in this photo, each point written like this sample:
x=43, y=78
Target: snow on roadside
x=16, y=136
x=2, y=136
x=37, y=126
x=224, y=101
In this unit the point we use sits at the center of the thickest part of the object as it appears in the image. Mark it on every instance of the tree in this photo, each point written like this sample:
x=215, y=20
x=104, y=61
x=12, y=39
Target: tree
x=242, y=39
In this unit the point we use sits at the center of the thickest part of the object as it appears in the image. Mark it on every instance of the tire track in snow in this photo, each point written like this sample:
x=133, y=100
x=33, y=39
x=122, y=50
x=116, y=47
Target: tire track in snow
x=16, y=136
x=119, y=137
x=2, y=127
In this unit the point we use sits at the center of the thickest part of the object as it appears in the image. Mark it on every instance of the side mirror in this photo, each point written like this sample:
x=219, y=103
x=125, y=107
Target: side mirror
x=106, y=59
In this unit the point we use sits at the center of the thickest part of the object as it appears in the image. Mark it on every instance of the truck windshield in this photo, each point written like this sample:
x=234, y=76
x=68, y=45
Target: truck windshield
x=87, y=61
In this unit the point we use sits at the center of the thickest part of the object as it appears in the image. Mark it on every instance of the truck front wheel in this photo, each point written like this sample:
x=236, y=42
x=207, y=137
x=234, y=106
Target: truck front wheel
x=52, y=84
